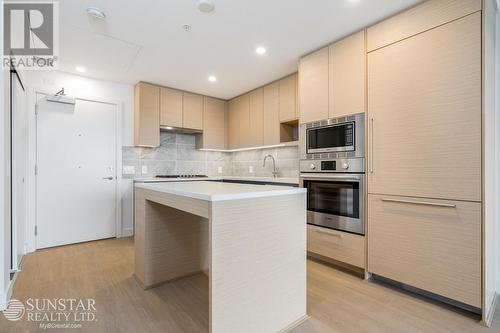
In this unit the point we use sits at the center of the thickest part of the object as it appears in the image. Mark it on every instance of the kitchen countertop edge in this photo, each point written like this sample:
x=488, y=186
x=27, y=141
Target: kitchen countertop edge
x=275, y=191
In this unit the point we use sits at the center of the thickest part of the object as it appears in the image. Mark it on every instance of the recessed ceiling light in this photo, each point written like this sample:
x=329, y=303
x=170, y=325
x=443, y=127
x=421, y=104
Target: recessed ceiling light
x=260, y=50
x=96, y=13
x=80, y=69
x=212, y=78
x=206, y=6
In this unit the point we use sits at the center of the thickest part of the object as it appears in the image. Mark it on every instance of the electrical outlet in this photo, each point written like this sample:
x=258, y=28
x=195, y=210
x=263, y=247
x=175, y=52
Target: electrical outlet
x=219, y=169
x=129, y=170
x=250, y=168
x=144, y=169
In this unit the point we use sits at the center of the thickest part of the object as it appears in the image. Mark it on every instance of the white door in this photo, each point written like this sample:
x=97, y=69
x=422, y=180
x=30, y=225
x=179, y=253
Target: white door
x=19, y=170
x=76, y=177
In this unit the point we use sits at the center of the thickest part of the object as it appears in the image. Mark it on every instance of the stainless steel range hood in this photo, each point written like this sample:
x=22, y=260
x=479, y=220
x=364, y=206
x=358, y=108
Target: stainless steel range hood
x=180, y=130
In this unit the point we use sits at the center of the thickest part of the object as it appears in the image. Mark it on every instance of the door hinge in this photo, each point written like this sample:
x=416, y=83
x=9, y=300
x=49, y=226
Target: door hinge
x=36, y=230
x=36, y=169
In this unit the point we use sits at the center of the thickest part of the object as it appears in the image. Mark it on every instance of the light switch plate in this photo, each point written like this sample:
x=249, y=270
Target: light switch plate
x=129, y=170
x=219, y=169
x=144, y=169
x=250, y=168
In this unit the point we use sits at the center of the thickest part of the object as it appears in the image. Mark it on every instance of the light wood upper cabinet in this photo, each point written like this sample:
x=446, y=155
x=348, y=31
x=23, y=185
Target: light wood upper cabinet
x=424, y=110
x=423, y=17
x=430, y=244
x=192, y=111
x=233, y=130
x=313, y=86
x=146, y=115
x=243, y=108
x=272, y=114
x=288, y=98
x=214, y=124
x=170, y=107
x=256, y=105
x=347, y=76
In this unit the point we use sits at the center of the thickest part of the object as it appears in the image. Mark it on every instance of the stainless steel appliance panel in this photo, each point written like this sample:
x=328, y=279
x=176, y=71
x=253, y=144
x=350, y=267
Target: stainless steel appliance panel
x=335, y=201
x=352, y=165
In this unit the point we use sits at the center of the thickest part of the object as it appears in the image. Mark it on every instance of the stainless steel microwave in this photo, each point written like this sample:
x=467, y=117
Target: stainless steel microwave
x=333, y=138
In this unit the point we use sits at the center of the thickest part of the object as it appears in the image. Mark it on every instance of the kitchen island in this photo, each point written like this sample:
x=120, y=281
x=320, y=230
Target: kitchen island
x=249, y=239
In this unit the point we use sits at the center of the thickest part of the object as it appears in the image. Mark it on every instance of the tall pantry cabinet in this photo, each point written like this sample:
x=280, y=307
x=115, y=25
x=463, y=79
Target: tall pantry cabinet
x=424, y=154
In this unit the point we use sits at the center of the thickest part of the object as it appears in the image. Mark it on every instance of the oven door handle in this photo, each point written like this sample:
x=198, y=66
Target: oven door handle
x=331, y=177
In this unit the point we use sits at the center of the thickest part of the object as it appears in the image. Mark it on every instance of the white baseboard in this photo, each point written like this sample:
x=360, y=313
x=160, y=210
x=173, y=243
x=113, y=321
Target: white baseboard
x=491, y=313
x=127, y=232
x=5, y=297
x=3, y=301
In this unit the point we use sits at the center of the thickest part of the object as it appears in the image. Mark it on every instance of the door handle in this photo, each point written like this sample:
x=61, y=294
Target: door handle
x=371, y=145
x=108, y=178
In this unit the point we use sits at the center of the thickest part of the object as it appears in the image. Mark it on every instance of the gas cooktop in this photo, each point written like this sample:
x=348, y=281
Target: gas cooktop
x=181, y=176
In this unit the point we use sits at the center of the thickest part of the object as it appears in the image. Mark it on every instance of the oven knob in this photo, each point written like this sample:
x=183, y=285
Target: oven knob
x=345, y=166
x=312, y=166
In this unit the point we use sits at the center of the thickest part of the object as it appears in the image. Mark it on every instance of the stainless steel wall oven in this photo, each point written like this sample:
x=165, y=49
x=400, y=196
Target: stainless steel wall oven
x=332, y=168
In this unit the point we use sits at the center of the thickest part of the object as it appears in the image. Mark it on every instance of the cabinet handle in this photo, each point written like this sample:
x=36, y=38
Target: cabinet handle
x=420, y=203
x=329, y=233
x=371, y=145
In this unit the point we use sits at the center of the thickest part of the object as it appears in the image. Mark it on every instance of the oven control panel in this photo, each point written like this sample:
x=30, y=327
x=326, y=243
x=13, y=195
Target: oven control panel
x=339, y=165
x=328, y=165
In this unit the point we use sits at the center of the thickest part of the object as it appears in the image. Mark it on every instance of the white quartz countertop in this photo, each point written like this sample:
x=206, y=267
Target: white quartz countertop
x=294, y=181
x=214, y=191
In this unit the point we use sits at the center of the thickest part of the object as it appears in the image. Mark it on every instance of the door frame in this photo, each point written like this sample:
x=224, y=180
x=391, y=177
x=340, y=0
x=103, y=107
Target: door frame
x=15, y=261
x=32, y=159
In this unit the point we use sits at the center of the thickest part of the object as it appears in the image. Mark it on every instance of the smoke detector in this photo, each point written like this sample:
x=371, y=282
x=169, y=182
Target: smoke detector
x=206, y=6
x=96, y=13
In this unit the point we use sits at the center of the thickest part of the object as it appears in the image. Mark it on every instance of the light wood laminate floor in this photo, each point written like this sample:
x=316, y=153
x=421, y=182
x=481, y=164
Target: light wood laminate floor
x=337, y=301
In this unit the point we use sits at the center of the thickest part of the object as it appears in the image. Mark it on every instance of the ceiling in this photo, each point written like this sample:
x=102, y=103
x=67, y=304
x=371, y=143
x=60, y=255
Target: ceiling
x=145, y=40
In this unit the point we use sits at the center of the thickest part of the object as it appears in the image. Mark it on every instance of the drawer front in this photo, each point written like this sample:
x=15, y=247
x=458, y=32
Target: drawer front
x=337, y=245
x=430, y=244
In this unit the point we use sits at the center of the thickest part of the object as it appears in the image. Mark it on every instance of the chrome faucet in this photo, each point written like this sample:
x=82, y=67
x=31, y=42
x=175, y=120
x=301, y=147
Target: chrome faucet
x=275, y=171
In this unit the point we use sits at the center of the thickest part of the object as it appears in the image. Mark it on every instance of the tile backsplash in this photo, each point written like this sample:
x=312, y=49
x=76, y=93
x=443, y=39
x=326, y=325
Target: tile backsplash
x=177, y=155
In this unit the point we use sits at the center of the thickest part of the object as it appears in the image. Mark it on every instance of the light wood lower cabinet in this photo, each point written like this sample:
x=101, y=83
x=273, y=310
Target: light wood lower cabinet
x=337, y=245
x=430, y=244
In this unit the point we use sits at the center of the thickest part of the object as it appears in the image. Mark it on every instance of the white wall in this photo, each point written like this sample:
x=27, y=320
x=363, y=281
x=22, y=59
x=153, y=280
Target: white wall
x=82, y=87
x=75, y=85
